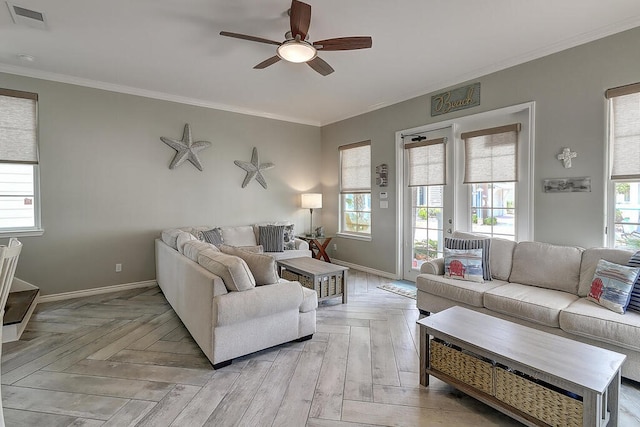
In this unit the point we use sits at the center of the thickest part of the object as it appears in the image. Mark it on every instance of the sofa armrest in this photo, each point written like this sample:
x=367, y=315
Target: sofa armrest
x=435, y=266
x=301, y=244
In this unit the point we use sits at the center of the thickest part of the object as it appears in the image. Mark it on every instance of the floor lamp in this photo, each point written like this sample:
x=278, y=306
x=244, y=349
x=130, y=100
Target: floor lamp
x=311, y=201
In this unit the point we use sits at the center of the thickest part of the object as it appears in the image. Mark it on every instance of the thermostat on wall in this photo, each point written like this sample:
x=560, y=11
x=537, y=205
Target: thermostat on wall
x=383, y=195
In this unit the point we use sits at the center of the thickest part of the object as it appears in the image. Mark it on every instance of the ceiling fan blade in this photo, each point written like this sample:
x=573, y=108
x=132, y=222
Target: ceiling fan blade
x=344, y=43
x=250, y=38
x=267, y=62
x=300, y=19
x=320, y=66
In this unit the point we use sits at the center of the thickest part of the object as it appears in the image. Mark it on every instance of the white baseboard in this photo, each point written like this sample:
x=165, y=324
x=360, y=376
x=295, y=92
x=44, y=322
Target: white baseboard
x=366, y=269
x=96, y=291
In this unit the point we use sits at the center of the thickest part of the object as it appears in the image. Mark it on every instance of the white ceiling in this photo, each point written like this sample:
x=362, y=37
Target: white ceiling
x=170, y=49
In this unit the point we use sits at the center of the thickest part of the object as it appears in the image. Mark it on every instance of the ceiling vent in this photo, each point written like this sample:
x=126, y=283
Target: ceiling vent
x=30, y=18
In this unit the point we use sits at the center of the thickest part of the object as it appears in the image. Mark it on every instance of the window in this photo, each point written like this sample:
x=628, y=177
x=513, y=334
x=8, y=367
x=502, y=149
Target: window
x=624, y=157
x=19, y=198
x=355, y=188
x=491, y=169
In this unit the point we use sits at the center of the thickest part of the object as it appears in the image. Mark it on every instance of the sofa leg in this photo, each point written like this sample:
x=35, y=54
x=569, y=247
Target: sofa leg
x=220, y=365
x=307, y=338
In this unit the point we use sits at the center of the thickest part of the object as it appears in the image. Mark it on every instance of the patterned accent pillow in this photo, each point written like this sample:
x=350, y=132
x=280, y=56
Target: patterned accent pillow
x=612, y=284
x=272, y=238
x=463, y=264
x=634, y=302
x=484, y=244
x=289, y=237
x=213, y=236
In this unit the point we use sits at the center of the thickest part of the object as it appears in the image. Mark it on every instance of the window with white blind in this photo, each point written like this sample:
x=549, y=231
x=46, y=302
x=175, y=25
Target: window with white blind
x=624, y=167
x=19, y=190
x=355, y=188
x=491, y=168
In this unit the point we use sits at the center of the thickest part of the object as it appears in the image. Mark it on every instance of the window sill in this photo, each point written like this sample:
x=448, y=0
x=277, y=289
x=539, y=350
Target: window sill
x=32, y=232
x=363, y=237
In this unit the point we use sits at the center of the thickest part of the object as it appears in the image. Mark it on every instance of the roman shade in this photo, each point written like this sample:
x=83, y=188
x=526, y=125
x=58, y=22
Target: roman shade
x=18, y=127
x=491, y=155
x=625, y=131
x=426, y=162
x=355, y=167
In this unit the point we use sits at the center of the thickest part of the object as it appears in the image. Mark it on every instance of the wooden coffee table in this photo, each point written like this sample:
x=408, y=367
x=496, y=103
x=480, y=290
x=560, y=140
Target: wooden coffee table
x=513, y=368
x=328, y=280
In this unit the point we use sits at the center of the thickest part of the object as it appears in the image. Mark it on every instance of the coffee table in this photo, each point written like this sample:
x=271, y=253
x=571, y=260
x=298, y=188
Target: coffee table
x=328, y=280
x=516, y=369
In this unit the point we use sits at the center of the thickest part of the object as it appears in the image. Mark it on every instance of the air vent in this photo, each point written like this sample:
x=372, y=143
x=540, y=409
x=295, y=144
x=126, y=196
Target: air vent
x=30, y=18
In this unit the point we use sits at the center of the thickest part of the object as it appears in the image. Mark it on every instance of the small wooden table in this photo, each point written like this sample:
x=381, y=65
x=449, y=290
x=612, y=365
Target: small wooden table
x=318, y=246
x=328, y=280
x=593, y=373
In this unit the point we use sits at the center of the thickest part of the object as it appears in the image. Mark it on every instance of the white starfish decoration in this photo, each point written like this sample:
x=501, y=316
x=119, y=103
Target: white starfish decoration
x=254, y=169
x=186, y=148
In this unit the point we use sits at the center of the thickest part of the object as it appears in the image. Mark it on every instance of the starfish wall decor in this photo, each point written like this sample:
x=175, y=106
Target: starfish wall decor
x=186, y=148
x=254, y=169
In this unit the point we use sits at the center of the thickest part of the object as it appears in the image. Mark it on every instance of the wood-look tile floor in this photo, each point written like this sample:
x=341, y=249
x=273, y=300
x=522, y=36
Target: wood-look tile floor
x=124, y=359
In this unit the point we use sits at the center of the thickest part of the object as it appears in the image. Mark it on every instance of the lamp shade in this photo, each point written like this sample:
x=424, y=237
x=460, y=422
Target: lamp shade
x=311, y=201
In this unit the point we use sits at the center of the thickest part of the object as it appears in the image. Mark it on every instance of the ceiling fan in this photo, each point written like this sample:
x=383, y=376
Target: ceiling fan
x=297, y=48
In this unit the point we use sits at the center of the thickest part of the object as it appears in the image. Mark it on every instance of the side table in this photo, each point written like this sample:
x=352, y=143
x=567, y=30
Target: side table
x=318, y=246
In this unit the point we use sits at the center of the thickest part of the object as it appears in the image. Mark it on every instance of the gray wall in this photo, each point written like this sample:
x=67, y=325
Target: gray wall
x=107, y=190
x=568, y=88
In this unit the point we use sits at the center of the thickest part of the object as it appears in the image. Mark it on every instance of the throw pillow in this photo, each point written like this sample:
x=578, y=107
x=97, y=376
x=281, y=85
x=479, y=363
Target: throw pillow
x=258, y=249
x=463, y=264
x=612, y=284
x=192, y=249
x=272, y=238
x=233, y=271
x=484, y=244
x=634, y=301
x=263, y=267
x=289, y=237
x=213, y=236
x=183, y=238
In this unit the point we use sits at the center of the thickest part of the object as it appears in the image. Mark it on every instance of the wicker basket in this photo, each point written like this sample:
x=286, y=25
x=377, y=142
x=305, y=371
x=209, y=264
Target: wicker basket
x=464, y=367
x=288, y=275
x=536, y=400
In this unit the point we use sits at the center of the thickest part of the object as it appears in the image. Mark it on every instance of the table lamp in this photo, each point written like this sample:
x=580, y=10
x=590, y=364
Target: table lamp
x=311, y=201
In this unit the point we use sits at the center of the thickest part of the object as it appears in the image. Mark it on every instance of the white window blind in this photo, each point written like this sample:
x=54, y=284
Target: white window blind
x=491, y=155
x=355, y=168
x=427, y=162
x=18, y=129
x=625, y=131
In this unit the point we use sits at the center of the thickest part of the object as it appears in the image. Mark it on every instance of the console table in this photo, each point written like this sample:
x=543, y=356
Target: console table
x=318, y=246
x=533, y=376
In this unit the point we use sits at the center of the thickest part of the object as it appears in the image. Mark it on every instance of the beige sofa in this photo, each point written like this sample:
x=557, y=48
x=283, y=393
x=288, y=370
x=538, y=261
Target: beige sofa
x=542, y=286
x=225, y=322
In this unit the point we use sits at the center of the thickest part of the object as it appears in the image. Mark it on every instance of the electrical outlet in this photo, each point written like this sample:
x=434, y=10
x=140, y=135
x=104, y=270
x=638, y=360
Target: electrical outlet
x=118, y=268
x=335, y=246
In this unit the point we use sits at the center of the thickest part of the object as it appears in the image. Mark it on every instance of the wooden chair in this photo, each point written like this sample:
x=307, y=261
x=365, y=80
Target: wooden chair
x=8, y=262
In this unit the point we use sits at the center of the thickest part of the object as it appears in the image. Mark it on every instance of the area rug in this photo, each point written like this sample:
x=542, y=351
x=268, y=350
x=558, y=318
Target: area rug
x=401, y=287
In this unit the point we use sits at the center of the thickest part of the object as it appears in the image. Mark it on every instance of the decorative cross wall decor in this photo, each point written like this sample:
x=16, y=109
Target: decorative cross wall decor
x=186, y=148
x=566, y=157
x=254, y=169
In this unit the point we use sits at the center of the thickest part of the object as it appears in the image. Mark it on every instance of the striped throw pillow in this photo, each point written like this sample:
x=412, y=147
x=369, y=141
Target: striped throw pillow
x=272, y=238
x=484, y=244
x=213, y=236
x=634, y=302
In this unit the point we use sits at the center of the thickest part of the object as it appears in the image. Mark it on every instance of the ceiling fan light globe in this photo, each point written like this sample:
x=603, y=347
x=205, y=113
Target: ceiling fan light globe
x=296, y=51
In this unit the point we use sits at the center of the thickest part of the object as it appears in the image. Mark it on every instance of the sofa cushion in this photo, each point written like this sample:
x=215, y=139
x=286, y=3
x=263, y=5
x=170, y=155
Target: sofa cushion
x=612, y=285
x=192, y=249
x=484, y=244
x=464, y=264
x=634, y=302
x=537, y=305
x=272, y=238
x=470, y=293
x=547, y=266
x=591, y=320
x=239, y=236
x=183, y=238
x=500, y=253
x=289, y=237
x=213, y=236
x=170, y=237
x=309, y=300
x=590, y=258
x=263, y=267
x=233, y=271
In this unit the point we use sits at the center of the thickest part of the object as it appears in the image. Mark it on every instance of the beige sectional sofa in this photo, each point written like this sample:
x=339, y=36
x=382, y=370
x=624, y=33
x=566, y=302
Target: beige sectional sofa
x=542, y=286
x=227, y=315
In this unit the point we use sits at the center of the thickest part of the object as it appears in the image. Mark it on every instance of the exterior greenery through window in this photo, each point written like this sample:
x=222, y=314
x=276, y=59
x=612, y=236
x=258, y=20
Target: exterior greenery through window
x=355, y=188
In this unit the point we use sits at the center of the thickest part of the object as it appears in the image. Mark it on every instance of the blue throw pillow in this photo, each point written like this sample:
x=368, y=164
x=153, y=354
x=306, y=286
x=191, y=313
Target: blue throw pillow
x=612, y=284
x=634, y=302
